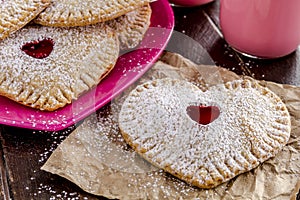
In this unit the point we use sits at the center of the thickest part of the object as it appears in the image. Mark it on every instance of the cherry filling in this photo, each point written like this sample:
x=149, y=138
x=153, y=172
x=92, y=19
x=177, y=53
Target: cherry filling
x=203, y=114
x=38, y=48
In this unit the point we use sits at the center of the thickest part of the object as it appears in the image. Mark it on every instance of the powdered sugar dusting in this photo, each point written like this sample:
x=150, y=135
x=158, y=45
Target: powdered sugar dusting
x=79, y=60
x=154, y=121
x=101, y=137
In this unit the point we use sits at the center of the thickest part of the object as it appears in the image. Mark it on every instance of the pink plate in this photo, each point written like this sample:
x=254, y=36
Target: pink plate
x=130, y=67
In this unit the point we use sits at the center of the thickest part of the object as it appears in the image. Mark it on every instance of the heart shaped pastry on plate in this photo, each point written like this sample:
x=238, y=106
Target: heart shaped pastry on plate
x=204, y=138
x=48, y=67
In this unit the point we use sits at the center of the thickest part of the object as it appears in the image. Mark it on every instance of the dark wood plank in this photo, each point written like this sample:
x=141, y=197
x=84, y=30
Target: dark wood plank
x=25, y=152
x=5, y=190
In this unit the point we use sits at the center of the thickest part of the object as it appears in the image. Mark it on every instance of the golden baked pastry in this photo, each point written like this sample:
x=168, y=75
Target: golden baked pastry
x=47, y=67
x=132, y=26
x=14, y=14
x=80, y=13
x=204, y=138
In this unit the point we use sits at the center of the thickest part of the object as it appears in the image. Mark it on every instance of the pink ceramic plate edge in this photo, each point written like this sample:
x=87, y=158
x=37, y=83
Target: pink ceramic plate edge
x=130, y=67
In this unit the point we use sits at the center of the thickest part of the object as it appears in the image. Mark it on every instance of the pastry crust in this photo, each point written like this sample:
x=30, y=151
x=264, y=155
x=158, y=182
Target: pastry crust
x=132, y=26
x=14, y=14
x=80, y=59
x=62, y=13
x=253, y=126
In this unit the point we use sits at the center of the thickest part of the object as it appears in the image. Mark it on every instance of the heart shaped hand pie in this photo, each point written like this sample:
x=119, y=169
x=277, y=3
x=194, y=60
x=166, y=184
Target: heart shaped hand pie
x=243, y=124
x=47, y=67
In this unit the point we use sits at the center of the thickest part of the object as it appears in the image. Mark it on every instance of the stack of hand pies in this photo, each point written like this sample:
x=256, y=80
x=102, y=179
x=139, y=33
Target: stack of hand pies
x=53, y=51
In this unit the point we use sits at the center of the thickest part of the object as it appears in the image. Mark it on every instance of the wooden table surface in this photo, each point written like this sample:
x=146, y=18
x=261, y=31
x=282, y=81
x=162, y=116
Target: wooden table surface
x=197, y=36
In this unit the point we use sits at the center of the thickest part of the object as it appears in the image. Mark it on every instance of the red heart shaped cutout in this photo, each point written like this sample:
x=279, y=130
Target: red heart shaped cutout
x=38, y=48
x=203, y=114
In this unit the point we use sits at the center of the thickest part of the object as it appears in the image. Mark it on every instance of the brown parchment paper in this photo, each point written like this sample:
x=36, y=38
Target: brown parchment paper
x=96, y=158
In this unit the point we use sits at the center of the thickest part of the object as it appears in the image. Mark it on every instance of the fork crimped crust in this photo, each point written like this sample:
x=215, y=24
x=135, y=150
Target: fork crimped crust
x=80, y=59
x=80, y=13
x=132, y=26
x=14, y=14
x=253, y=126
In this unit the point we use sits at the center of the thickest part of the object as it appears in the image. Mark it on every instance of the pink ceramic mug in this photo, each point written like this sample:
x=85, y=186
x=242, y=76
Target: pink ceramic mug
x=189, y=2
x=261, y=28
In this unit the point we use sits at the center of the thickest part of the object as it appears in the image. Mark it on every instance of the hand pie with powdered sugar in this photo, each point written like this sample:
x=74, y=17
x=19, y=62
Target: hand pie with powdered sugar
x=68, y=13
x=48, y=67
x=204, y=138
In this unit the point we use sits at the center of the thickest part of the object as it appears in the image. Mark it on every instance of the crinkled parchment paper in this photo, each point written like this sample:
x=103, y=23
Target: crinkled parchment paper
x=96, y=158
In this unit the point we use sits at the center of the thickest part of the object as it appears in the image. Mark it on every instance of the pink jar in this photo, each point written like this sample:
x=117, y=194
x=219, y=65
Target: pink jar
x=189, y=2
x=261, y=28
